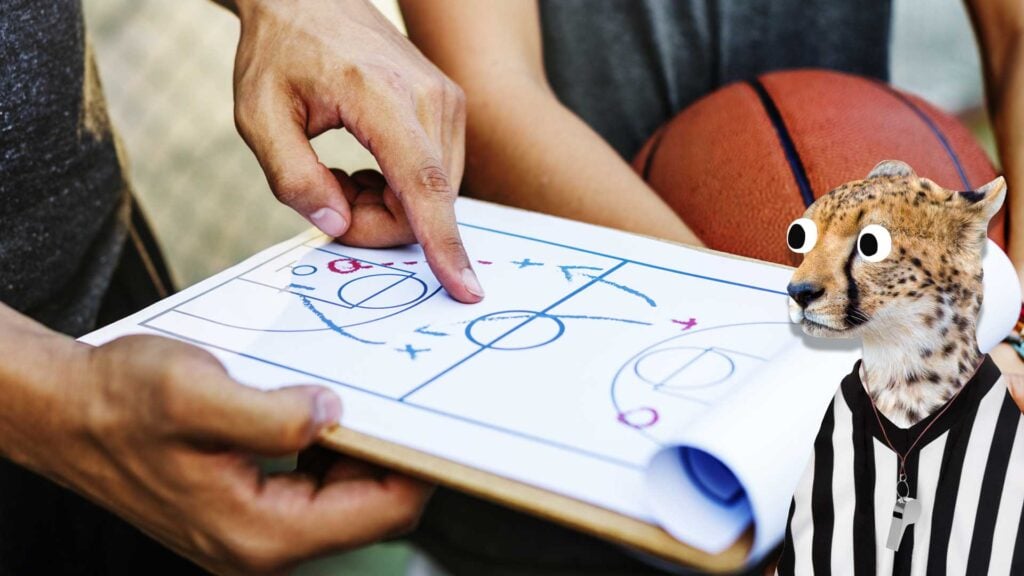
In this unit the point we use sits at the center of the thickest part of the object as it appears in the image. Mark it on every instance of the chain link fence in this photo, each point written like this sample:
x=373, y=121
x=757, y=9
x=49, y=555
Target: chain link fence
x=166, y=67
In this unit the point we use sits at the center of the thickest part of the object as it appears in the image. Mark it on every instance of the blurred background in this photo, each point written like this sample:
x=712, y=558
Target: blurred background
x=166, y=68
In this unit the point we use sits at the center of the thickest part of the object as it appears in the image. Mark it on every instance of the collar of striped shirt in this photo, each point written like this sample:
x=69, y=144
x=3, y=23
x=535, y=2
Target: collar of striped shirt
x=902, y=438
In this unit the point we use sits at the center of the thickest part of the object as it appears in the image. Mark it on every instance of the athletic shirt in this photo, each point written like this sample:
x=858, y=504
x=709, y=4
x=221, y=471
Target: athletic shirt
x=64, y=206
x=63, y=197
x=628, y=66
x=967, y=472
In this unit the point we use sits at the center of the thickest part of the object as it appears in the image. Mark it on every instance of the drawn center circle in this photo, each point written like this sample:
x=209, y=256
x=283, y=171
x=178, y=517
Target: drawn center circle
x=684, y=367
x=382, y=291
x=514, y=330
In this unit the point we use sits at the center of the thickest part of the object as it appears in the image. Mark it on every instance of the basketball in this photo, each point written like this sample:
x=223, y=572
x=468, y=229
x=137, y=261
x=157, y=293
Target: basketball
x=743, y=162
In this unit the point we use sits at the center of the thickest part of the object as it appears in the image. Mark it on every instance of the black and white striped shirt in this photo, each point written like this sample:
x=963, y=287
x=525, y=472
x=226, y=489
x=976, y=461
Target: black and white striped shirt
x=967, y=472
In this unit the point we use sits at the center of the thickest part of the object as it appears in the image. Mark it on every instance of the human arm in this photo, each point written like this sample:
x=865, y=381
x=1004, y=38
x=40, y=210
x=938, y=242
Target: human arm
x=155, y=431
x=524, y=147
x=304, y=67
x=999, y=27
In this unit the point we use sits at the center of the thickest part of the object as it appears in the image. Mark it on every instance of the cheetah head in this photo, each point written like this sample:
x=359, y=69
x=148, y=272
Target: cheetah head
x=890, y=253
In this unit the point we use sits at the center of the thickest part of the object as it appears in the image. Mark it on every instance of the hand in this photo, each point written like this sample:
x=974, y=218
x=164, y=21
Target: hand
x=303, y=68
x=157, y=432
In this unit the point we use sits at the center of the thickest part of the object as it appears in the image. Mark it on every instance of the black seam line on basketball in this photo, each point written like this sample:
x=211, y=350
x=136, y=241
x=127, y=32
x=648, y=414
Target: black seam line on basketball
x=796, y=165
x=649, y=161
x=935, y=130
x=852, y=292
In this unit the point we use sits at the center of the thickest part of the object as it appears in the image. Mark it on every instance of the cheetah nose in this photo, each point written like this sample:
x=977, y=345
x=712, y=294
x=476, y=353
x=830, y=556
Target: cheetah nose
x=804, y=293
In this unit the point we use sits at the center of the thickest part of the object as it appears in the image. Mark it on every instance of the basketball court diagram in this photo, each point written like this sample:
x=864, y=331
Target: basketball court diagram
x=378, y=322
x=677, y=377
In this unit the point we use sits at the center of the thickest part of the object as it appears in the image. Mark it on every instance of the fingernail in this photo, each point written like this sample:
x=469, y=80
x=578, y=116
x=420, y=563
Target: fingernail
x=472, y=284
x=329, y=222
x=326, y=408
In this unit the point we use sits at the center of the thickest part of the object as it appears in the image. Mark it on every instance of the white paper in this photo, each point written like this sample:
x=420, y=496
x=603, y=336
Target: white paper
x=593, y=350
x=763, y=434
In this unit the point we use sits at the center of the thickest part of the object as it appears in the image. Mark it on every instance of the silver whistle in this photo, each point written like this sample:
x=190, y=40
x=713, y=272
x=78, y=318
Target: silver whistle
x=906, y=513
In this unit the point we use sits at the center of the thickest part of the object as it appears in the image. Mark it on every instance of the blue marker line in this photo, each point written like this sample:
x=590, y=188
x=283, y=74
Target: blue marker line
x=427, y=331
x=497, y=318
x=678, y=371
x=412, y=352
x=559, y=316
x=239, y=327
x=605, y=318
x=568, y=275
x=334, y=327
x=626, y=289
x=301, y=287
x=526, y=262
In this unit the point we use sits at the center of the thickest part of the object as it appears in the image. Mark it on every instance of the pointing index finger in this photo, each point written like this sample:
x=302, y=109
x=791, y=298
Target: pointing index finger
x=433, y=222
x=426, y=193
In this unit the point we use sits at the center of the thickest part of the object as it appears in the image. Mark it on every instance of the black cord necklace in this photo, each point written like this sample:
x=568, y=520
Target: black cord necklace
x=907, y=510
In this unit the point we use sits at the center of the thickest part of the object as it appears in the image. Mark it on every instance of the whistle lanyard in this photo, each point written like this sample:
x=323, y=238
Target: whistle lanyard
x=902, y=477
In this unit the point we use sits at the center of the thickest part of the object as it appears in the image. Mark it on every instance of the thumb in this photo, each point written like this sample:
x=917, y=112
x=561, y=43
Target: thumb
x=274, y=129
x=269, y=423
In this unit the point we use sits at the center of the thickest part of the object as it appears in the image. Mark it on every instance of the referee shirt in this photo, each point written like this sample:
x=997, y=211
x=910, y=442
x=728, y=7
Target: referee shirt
x=967, y=472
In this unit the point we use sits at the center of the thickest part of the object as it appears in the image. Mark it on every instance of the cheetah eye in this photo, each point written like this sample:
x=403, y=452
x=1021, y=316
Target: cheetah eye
x=802, y=235
x=874, y=243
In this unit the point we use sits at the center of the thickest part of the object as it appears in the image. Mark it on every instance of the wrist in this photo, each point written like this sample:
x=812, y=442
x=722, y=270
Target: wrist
x=40, y=381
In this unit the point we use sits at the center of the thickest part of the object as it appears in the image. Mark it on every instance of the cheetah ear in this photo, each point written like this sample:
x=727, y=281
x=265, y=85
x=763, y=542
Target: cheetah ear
x=892, y=169
x=988, y=199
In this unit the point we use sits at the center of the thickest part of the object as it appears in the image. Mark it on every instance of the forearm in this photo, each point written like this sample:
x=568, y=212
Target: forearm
x=36, y=368
x=525, y=149
x=1008, y=119
x=999, y=27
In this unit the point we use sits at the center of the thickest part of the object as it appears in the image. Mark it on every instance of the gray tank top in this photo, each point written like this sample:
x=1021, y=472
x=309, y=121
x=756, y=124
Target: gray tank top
x=628, y=66
x=63, y=198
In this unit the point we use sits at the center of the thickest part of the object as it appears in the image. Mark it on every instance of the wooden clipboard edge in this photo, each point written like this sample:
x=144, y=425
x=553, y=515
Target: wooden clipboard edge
x=575, y=514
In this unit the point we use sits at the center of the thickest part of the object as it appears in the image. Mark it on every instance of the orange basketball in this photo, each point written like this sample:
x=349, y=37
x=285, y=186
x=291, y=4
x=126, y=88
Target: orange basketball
x=743, y=162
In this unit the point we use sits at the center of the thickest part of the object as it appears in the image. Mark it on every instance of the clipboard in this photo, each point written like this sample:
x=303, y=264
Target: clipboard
x=575, y=514
x=277, y=318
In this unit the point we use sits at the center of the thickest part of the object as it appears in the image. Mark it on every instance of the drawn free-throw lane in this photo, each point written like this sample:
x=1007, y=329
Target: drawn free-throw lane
x=678, y=377
x=382, y=291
